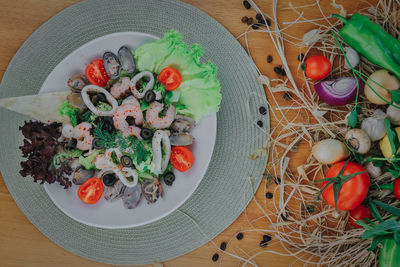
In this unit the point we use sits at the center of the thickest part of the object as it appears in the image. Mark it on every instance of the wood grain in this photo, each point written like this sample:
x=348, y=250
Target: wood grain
x=21, y=244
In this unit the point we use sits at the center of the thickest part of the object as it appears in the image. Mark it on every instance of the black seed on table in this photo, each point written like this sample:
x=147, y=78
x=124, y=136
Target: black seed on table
x=255, y=26
x=260, y=123
x=246, y=4
x=250, y=21
x=283, y=72
x=269, y=195
x=283, y=217
x=245, y=19
x=239, y=236
x=269, y=59
x=215, y=257
x=267, y=238
x=262, y=110
x=300, y=57
x=223, y=246
x=258, y=16
x=287, y=96
x=268, y=22
x=278, y=70
x=263, y=244
x=277, y=180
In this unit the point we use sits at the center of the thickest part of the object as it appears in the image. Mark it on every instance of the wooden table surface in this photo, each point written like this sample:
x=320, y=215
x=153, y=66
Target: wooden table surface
x=21, y=244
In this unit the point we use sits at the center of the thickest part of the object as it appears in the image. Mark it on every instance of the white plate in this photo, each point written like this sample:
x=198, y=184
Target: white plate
x=113, y=215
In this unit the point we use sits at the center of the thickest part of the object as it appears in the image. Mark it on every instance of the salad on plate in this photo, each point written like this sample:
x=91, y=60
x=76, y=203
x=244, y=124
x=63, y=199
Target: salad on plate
x=123, y=127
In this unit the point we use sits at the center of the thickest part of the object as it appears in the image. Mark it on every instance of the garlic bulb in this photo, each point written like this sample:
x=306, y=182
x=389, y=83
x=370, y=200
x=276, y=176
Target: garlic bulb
x=352, y=56
x=393, y=114
x=311, y=37
x=375, y=125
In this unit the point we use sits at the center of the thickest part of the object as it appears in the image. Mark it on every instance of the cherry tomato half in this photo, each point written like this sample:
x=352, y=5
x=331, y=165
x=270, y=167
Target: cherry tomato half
x=396, y=188
x=318, y=67
x=181, y=158
x=359, y=213
x=91, y=191
x=353, y=192
x=96, y=74
x=170, y=77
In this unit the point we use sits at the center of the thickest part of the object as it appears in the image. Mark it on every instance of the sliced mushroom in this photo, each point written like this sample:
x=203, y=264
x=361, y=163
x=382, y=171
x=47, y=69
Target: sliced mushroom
x=75, y=100
x=181, y=139
x=132, y=196
x=77, y=82
x=80, y=175
x=114, y=192
x=359, y=140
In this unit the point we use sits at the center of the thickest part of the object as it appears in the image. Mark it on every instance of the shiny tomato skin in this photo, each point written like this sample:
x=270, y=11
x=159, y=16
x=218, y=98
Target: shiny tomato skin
x=353, y=192
x=181, y=158
x=396, y=188
x=96, y=74
x=91, y=191
x=170, y=77
x=359, y=213
x=318, y=67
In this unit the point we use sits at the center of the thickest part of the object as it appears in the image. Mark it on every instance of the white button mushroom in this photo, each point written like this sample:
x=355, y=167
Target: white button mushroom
x=359, y=140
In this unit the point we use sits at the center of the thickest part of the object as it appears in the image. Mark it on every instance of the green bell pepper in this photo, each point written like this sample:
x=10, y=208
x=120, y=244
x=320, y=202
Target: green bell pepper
x=371, y=41
x=389, y=254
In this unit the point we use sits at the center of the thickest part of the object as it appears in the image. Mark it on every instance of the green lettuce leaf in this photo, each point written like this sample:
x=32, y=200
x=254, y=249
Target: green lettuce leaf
x=200, y=90
x=66, y=109
x=87, y=162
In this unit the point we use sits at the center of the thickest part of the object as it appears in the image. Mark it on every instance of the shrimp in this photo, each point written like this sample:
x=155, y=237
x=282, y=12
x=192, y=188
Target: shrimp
x=160, y=164
x=153, y=118
x=120, y=88
x=129, y=107
x=82, y=134
x=148, y=87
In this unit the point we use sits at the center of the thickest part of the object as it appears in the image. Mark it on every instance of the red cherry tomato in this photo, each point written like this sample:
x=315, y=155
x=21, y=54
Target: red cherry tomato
x=91, y=191
x=318, y=67
x=181, y=158
x=96, y=74
x=170, y=77
x=396, y=188
x=353, y=192
x=359, y=213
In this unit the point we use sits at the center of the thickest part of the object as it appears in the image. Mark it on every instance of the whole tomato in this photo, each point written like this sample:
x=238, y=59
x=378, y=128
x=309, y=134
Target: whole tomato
x=359, y=213
x=352, y=192
x=318, y=67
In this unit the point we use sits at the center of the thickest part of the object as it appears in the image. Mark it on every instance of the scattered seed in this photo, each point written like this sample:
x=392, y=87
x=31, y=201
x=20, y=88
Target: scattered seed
x=283, y=72
x=255, y=26
x=250, y=21
x=263, y=244
x=246, y=4
x=215, y=257
x=239, y=236
x=260, y=123
x=223, y=246
x=287, y=96
x=269, y=195
x=269, y=59
x=300, y=57
x=310, y=208
x=259, y=16
x=268, y=22
x=283, y=217
x=245, y=19
x=262, y=110
x=267, y=238
x=278, y=70
x=278, y=180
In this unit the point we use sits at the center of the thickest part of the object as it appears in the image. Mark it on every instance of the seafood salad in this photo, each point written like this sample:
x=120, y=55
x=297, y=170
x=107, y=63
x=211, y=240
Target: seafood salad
x=126, y=123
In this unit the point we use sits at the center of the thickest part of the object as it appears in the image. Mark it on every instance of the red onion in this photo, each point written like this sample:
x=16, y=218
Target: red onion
x=338, y=92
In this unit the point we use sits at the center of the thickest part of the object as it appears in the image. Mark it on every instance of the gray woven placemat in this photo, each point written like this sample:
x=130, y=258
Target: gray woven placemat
x=224, y=192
